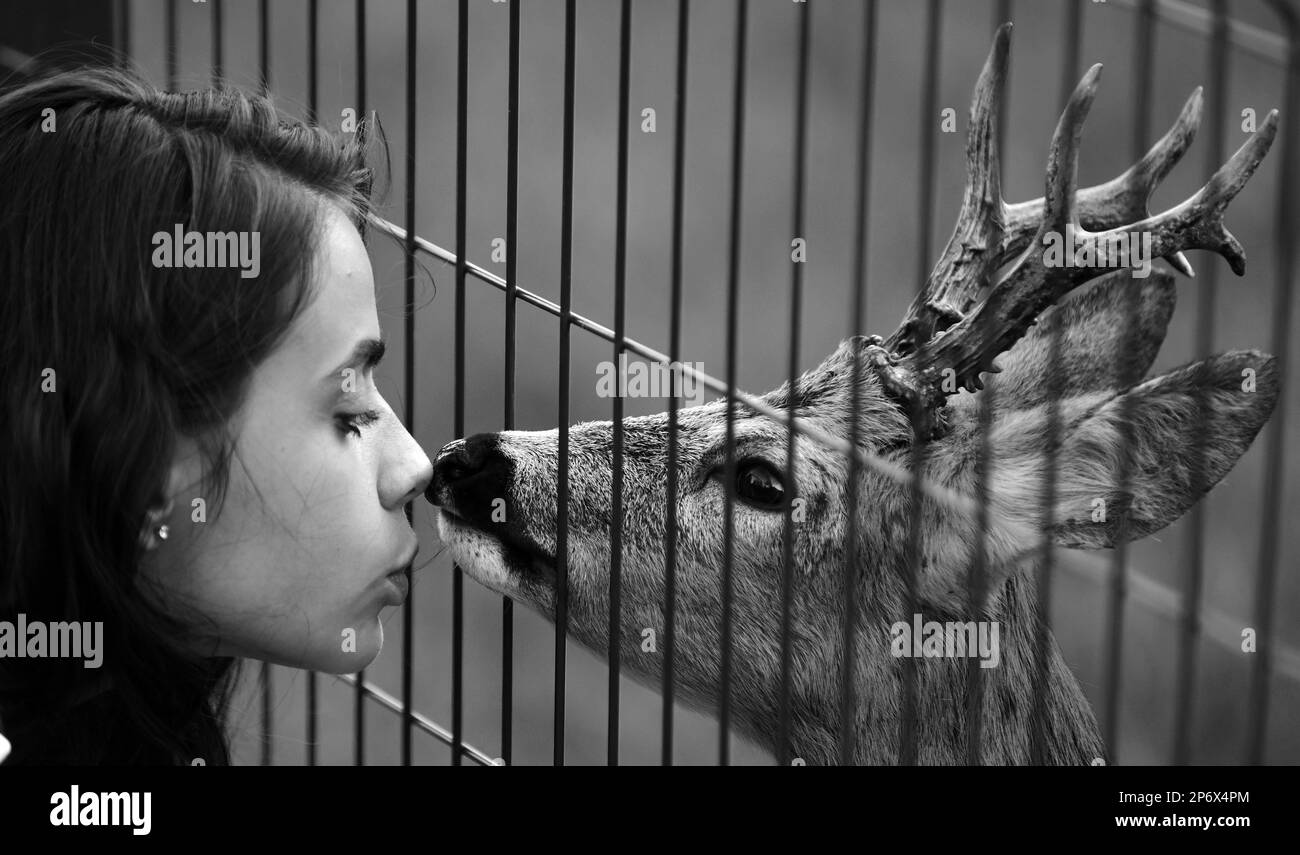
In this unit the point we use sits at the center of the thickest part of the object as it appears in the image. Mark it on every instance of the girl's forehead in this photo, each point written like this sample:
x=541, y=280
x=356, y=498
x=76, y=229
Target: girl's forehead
x=341, y=311
x=345, y=287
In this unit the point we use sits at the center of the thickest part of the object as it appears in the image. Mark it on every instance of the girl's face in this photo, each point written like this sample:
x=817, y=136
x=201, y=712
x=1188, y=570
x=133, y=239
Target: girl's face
x=294, y=570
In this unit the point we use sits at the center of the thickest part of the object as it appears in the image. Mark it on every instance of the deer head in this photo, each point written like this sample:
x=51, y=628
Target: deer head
x=498, y=492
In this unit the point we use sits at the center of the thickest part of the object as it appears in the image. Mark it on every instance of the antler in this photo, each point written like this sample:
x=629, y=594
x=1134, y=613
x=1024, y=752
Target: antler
x=974, y=250
x=943, y=344
x=1121, y=200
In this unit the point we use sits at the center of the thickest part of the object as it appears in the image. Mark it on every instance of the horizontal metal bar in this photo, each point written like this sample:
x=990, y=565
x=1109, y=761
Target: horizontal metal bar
x=1254, y=40
x=420, y=720
x=524, y=296
x=1157, y=597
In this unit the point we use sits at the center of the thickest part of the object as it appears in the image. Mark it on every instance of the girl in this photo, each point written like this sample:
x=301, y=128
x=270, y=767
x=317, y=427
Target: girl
x=197, y=464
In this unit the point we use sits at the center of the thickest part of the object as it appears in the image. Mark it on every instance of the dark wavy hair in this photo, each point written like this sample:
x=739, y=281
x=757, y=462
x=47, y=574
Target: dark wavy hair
x=92, y=163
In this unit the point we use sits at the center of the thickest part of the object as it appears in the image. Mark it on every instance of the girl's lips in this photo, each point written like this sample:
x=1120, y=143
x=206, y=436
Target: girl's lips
x=398, y=586
x=397, y=582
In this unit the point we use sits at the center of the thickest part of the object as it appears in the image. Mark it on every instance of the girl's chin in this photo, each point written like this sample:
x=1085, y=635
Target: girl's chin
x=351, y=654
x=346, y=655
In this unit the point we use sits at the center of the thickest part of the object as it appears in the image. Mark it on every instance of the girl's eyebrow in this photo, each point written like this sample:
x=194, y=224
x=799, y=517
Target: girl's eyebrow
x=366, y=355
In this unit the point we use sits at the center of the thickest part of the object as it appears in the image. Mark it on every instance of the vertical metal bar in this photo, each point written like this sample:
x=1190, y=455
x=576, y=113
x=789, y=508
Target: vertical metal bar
x=804, y=11
x=359, y=700
x=462, y=171
x=264, y=45
x=122, y=31
x=172, y=40
x=1144, y=50
x=977, y=575
x=512, y=256
x=929, y=104
x=263, y=62
x=566, y=308
x=361, y=64
x=1002, y=15
x=1047, y=499
x=1073, y=37
x=925, y=222
x=313, y=28
x=858, y=323
x=1287, y=227
x=674, y=355
x=312, y=716
x=359, y=722
x=1185, y=691
x=620, y=329
x=218, y=50
x=313, y=712
x=266, y=713
x=408, y=372
x=733, y=294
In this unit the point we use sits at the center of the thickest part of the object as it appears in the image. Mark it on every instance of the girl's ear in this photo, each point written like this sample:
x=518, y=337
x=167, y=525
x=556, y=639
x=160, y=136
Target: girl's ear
x=1174, y=457
x=1093, y=355
x=184, y=478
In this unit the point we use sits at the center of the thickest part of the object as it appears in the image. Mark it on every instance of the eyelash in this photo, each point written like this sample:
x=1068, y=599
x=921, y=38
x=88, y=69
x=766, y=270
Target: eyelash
x=351, y=423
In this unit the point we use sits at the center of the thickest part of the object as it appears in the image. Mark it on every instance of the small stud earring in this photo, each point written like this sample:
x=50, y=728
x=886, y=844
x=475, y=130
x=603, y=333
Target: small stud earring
x=154, y=531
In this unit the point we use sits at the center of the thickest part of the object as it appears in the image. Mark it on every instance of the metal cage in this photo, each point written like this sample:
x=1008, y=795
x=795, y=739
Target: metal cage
x=1277, y=47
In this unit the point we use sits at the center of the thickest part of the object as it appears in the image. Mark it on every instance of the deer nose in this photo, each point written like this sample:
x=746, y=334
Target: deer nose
x=469, y=475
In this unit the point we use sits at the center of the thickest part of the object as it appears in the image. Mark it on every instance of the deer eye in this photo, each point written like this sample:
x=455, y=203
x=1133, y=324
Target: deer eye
x=758, y=484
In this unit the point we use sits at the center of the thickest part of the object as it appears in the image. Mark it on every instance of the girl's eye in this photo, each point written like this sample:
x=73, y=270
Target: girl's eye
x=351, y=423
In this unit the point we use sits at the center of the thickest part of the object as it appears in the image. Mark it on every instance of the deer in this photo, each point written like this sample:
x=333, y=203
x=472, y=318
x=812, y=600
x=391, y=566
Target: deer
x=1067, y=405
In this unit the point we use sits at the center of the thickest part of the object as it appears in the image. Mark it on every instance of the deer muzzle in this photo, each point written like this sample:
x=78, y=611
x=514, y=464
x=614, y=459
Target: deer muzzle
x=480, y=517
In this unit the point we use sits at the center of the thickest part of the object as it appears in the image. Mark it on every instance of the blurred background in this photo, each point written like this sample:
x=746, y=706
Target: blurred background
x=904, y=238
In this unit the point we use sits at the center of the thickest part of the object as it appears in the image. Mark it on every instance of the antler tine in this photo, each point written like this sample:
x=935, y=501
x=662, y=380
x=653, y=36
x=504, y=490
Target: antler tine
x=1063, y=157
x=972, y=252
x=1121, y=200
x=1197, y=223
x=998, y=323
x=967, y=348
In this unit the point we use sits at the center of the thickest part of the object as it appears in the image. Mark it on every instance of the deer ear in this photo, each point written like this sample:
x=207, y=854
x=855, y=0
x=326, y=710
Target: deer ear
x=1166, y=470
x=1092, y=323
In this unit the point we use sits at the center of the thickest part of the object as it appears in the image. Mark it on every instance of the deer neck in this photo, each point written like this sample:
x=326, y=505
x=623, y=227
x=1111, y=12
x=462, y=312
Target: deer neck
x=942, y=726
